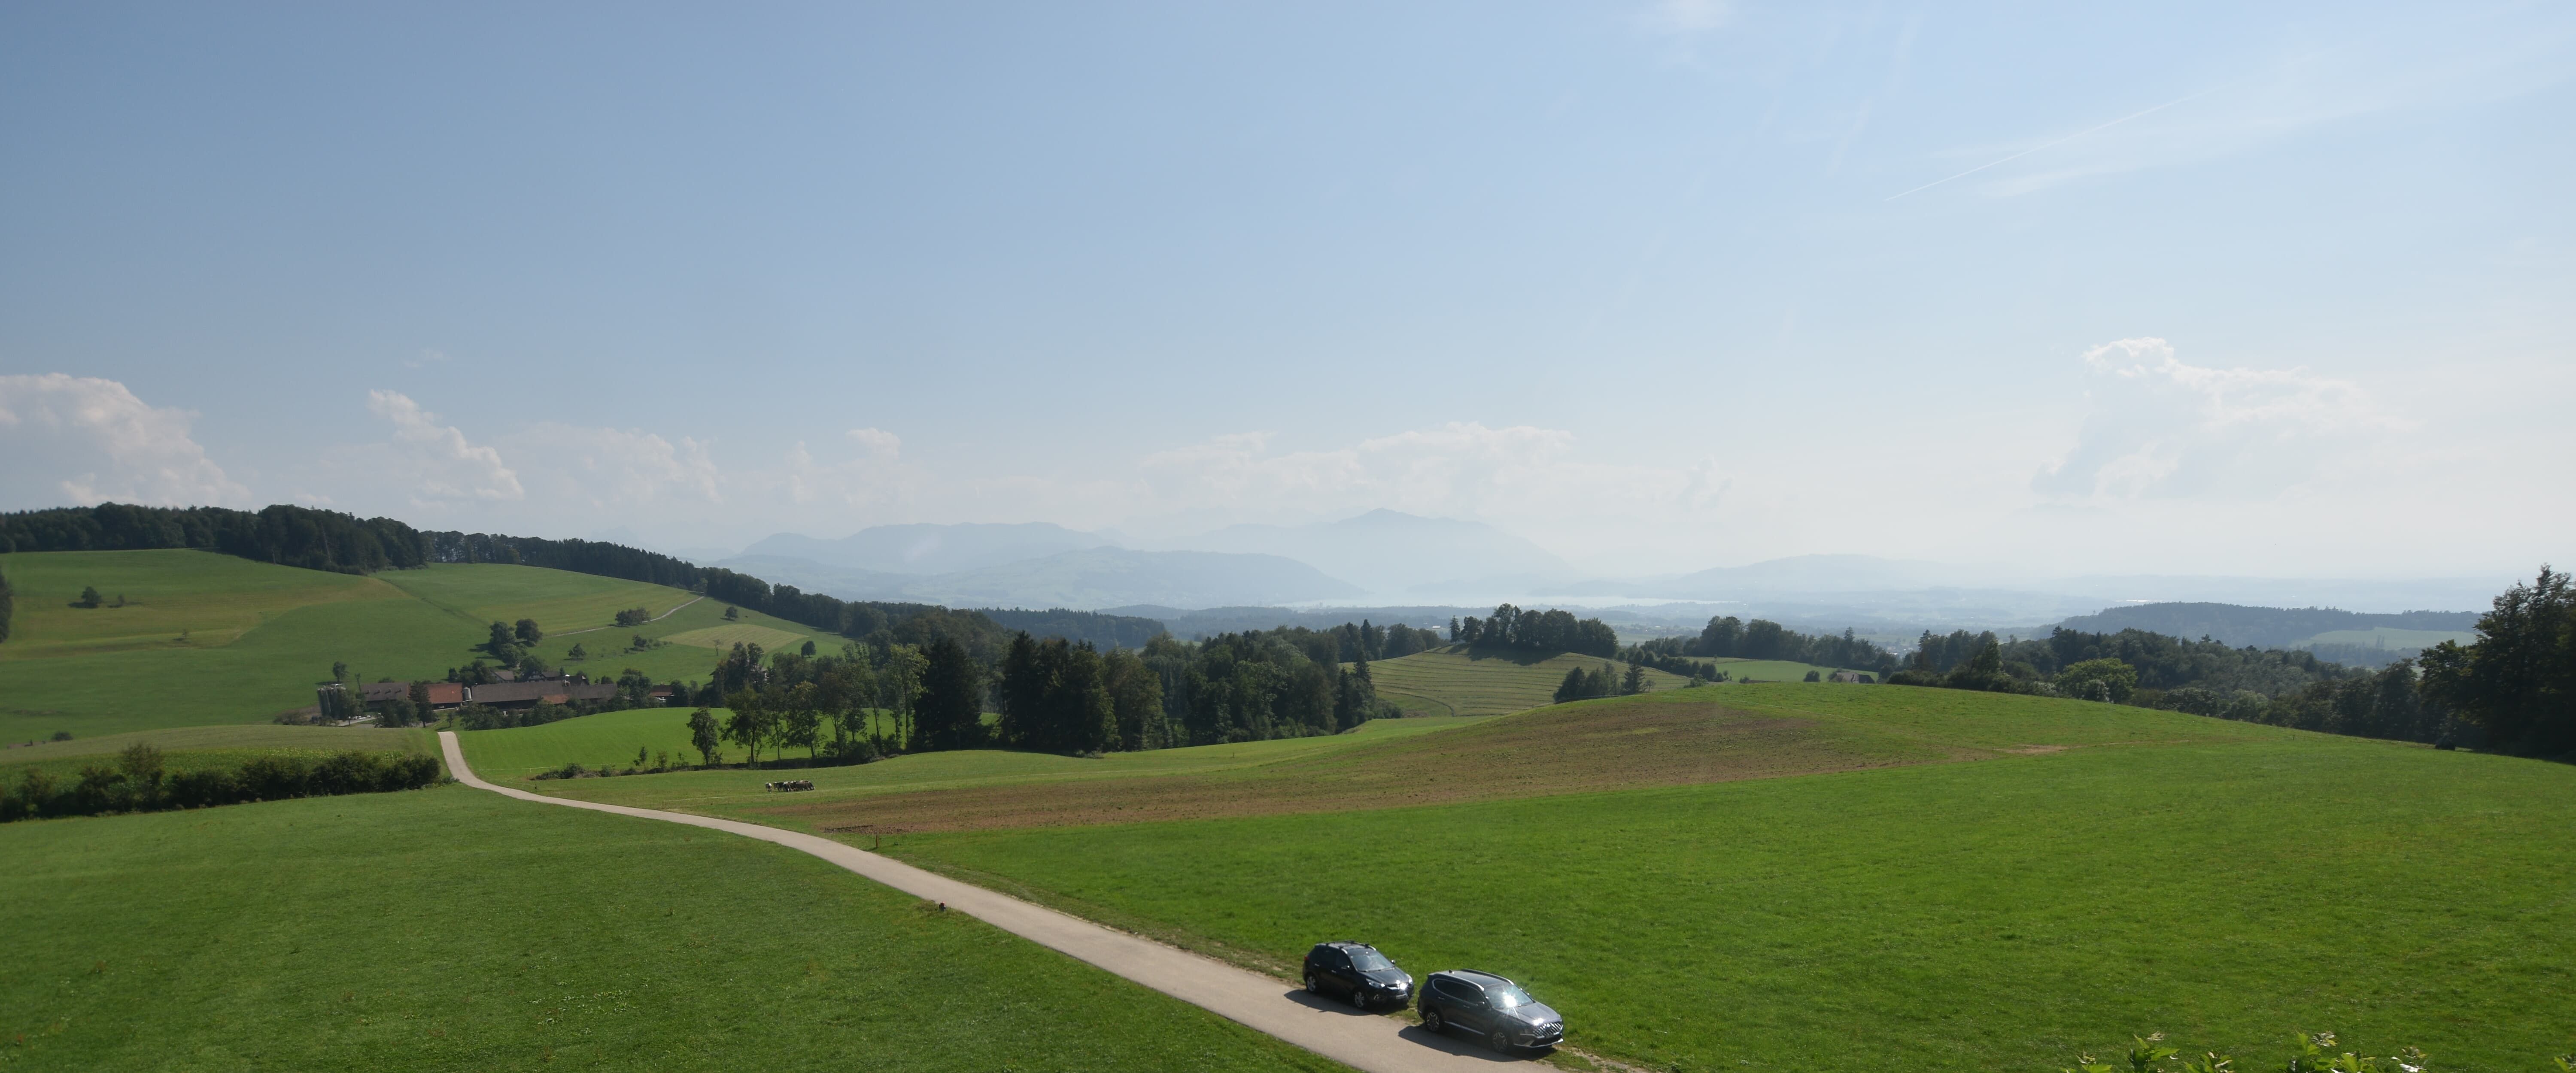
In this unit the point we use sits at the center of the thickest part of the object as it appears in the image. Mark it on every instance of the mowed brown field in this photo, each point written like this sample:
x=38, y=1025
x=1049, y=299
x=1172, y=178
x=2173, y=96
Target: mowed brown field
x=1677, y=738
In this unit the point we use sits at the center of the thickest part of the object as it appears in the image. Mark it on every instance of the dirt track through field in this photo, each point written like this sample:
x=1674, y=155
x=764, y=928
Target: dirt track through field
x=1378, y=1044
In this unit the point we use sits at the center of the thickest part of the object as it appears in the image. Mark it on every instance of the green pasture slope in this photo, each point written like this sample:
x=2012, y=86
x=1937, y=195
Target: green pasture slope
x=2229, y=887
x=452, y=929
x=212, y=639
x=1764, y=670
x=1455, y=681
x=612, y=737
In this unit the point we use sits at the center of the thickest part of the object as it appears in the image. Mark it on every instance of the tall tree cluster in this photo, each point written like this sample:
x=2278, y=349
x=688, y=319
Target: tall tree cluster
x=2517, y=682
x=2162, y=662
x=1550, y=631
x=1728, y=637
x=1252, y=686
x=286, y=535
x=1067, y=697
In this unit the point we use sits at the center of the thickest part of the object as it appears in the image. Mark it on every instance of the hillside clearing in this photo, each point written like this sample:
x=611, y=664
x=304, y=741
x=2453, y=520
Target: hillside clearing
x=738, y=633
x=212, y=599
x=259, y=636
x=1455, y=681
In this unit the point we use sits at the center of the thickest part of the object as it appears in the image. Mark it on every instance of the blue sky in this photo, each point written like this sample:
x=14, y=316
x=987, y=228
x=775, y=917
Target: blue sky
x=2202, y=288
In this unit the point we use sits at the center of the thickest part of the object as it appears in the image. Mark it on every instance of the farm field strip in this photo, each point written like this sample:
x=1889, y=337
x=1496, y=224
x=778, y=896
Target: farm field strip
x=1712, y=734
x=1374, y=1044
x=2005, y=913
x=613, y=736
x=1489, y=684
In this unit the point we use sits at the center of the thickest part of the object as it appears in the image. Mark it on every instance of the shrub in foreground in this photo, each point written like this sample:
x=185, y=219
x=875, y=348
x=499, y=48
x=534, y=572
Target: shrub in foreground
x=2311, y=1052
x=138, y=783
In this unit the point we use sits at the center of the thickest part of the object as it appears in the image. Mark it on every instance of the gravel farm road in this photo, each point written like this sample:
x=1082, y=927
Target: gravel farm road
x=1371, y=1042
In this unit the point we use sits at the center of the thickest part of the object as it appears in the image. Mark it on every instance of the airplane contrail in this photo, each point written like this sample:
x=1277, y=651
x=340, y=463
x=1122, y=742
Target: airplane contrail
x=2044, y=145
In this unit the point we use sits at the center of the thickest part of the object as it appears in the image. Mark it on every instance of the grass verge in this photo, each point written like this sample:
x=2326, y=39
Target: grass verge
x=450, y=929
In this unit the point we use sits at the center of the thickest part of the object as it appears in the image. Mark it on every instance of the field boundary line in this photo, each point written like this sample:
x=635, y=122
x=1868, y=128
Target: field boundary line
x=1376, y=1044
x=646, y=622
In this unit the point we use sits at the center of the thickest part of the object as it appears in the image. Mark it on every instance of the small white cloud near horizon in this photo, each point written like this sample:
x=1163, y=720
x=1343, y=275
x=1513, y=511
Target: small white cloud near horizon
x=878, y=479
x=1689, y=16
x=2161, y=428
x=435, y=461
x=606, y=468
x=88, y=440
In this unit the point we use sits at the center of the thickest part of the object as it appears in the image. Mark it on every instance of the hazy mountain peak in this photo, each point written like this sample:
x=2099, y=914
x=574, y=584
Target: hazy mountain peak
x=1389, y=551
x=930, y=549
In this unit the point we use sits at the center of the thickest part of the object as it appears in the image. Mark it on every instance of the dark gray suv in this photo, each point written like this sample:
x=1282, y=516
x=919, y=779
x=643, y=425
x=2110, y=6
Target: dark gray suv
x=1489, y=1006
x=1358, y=972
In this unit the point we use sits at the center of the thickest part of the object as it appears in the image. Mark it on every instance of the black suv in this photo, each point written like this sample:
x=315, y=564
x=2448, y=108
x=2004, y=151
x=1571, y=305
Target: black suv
x=1489, y=1006
x=1358, y=972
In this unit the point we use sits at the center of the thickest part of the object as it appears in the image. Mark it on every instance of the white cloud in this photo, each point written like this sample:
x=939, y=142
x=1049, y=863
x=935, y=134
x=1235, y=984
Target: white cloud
x=434, y=462
x=86, y=440
x=1689, y=16
x=2161, y=428
x=878, y=480
x=579, y=465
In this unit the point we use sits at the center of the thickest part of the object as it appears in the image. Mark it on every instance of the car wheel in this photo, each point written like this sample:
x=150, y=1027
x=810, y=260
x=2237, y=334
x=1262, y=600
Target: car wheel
x=1360, y=997
x=1431, y=1022
x=1498, y=1041
x=1314, y=986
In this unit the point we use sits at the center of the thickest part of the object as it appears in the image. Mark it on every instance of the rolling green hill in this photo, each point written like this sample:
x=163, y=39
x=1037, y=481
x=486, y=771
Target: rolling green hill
x=613, y=737
x=2094, y=871
x=451, y=929
x=1454, y=681
x=211, y=639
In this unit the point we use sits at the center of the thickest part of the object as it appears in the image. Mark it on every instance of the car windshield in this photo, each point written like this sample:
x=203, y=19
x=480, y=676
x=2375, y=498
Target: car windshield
x=1369, y=961
x=1506, y=997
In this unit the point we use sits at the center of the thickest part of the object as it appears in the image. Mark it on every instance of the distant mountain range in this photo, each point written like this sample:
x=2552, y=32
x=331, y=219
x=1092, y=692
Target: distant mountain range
x=1389, y=553
x=1086, y=579
x=928, y=549
x=1391, y=559
x=2261, y=627
x=1038, y=565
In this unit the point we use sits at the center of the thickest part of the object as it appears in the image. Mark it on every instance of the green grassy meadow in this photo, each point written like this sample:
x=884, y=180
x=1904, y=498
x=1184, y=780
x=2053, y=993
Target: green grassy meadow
x=1765, y=670
x=452, y=929
x=211, y=639
x=516, y=754
x=2225, y=887
x=1454, y=681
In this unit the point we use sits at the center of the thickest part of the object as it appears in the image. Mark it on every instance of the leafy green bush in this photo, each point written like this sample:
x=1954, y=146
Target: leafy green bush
x=2315, y=1053
x=138, y=783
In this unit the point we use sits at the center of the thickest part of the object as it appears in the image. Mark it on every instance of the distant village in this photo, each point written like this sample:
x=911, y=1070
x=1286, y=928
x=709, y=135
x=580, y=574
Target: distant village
x=396, y=703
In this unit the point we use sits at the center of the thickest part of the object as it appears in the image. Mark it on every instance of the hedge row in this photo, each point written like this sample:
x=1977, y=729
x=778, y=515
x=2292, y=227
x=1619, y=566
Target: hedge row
x=138, y=784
